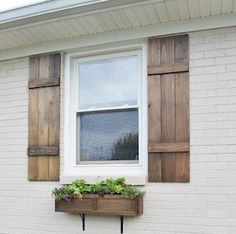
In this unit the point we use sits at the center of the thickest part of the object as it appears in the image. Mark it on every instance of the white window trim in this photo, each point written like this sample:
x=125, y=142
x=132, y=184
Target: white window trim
x=134, y=173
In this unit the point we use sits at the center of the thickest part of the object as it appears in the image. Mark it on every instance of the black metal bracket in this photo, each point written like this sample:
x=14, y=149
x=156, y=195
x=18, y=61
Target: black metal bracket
x=82, y=216
x=83, y=221
x=121, y=223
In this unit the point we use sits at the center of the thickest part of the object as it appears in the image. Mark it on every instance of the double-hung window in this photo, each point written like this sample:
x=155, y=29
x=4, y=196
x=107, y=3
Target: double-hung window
x=105, y=115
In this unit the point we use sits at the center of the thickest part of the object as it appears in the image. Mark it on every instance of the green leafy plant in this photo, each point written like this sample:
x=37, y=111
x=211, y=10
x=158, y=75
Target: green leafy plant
x=110, y=186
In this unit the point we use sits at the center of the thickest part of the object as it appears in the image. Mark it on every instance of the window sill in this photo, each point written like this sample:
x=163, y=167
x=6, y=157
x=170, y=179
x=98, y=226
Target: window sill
x=132, y=180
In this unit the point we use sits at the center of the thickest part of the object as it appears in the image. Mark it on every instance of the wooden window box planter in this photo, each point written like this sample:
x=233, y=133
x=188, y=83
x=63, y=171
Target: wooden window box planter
x=105, y=205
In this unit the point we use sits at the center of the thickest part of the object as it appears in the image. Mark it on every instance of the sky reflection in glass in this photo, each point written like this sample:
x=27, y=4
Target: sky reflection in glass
x=108, y=83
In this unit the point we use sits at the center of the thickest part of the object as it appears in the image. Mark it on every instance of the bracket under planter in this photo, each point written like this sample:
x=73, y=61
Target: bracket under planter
x=102, y=205
x=82, y=216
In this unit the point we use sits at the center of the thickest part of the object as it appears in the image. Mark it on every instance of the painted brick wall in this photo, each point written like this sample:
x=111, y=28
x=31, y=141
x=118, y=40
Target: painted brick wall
x=205, y=205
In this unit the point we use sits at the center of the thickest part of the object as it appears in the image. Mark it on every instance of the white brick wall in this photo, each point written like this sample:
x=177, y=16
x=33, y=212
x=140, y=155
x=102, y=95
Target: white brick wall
x=205, y=205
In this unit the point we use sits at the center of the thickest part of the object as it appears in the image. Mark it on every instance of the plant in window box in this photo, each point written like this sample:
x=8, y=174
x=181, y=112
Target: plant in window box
x=110, y=197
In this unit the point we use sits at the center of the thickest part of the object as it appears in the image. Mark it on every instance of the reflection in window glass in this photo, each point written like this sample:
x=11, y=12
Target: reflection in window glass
x=108, y=83
x=108, y=136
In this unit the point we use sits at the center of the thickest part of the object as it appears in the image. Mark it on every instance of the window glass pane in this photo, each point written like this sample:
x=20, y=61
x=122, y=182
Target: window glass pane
x=106, y=136
x=108, y=83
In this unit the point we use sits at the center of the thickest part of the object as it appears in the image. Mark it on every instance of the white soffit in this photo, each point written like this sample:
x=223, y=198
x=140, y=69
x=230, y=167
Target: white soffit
x=102, y=16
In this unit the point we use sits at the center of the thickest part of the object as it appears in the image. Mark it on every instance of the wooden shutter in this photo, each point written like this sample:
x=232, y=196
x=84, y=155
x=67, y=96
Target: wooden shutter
x=44, y=117
x=168, y=94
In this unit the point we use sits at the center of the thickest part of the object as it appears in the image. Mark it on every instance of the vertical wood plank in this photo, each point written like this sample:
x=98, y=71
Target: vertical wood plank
x=168, y=108
x=33, y=132
x=182, y=167
x=155, y=167
x=33, y=113
x=44, y=113
x=54, y=120
x=154, y=48
x=182, y=125
x=154, y=125
x=181, y=54
x=182, y=107
x=33, y=68
x=154, y=109
x=44, y=67
x=54, y=168
x=54, y=130
x=44, y=117
x=167, y=51
x=55, y=66
x=168, y=125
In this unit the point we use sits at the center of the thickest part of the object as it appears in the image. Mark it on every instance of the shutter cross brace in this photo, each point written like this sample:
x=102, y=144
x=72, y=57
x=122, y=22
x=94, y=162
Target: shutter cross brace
x=82, y=216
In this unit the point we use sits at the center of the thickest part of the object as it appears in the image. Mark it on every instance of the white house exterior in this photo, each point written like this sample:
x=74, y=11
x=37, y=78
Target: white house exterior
x=204, y=205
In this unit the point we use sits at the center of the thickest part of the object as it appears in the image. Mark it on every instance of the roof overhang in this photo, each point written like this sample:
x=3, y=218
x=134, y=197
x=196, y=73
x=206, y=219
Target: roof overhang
x=54, y=9
x=64, y=25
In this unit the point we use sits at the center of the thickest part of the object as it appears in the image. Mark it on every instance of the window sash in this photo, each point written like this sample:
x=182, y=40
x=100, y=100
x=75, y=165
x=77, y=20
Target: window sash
x=101, y=110
x=107, y=109
x=79, y=111
x=92, y=58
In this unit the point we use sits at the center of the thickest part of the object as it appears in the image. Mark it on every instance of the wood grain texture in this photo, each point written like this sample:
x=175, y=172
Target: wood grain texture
x=173, y=68
x=44, y=117
x=182, y=107
x=168, y=93
x=168, y=108
x=181, y=47
x=168, y=125
x=182, y=126
x=54, y=168
x=154, y=109
x=43, y=83
x=33, y=120
x=44, y=112
x=154, y=54
x=106, y=205
x=41, y=151
x=182, y=167
x=168, y=147
x=154, y=125
x=154, y=167
x=167, y=51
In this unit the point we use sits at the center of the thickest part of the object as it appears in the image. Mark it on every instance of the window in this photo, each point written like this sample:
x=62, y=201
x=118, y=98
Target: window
x=105, y=134
x=107, y=117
